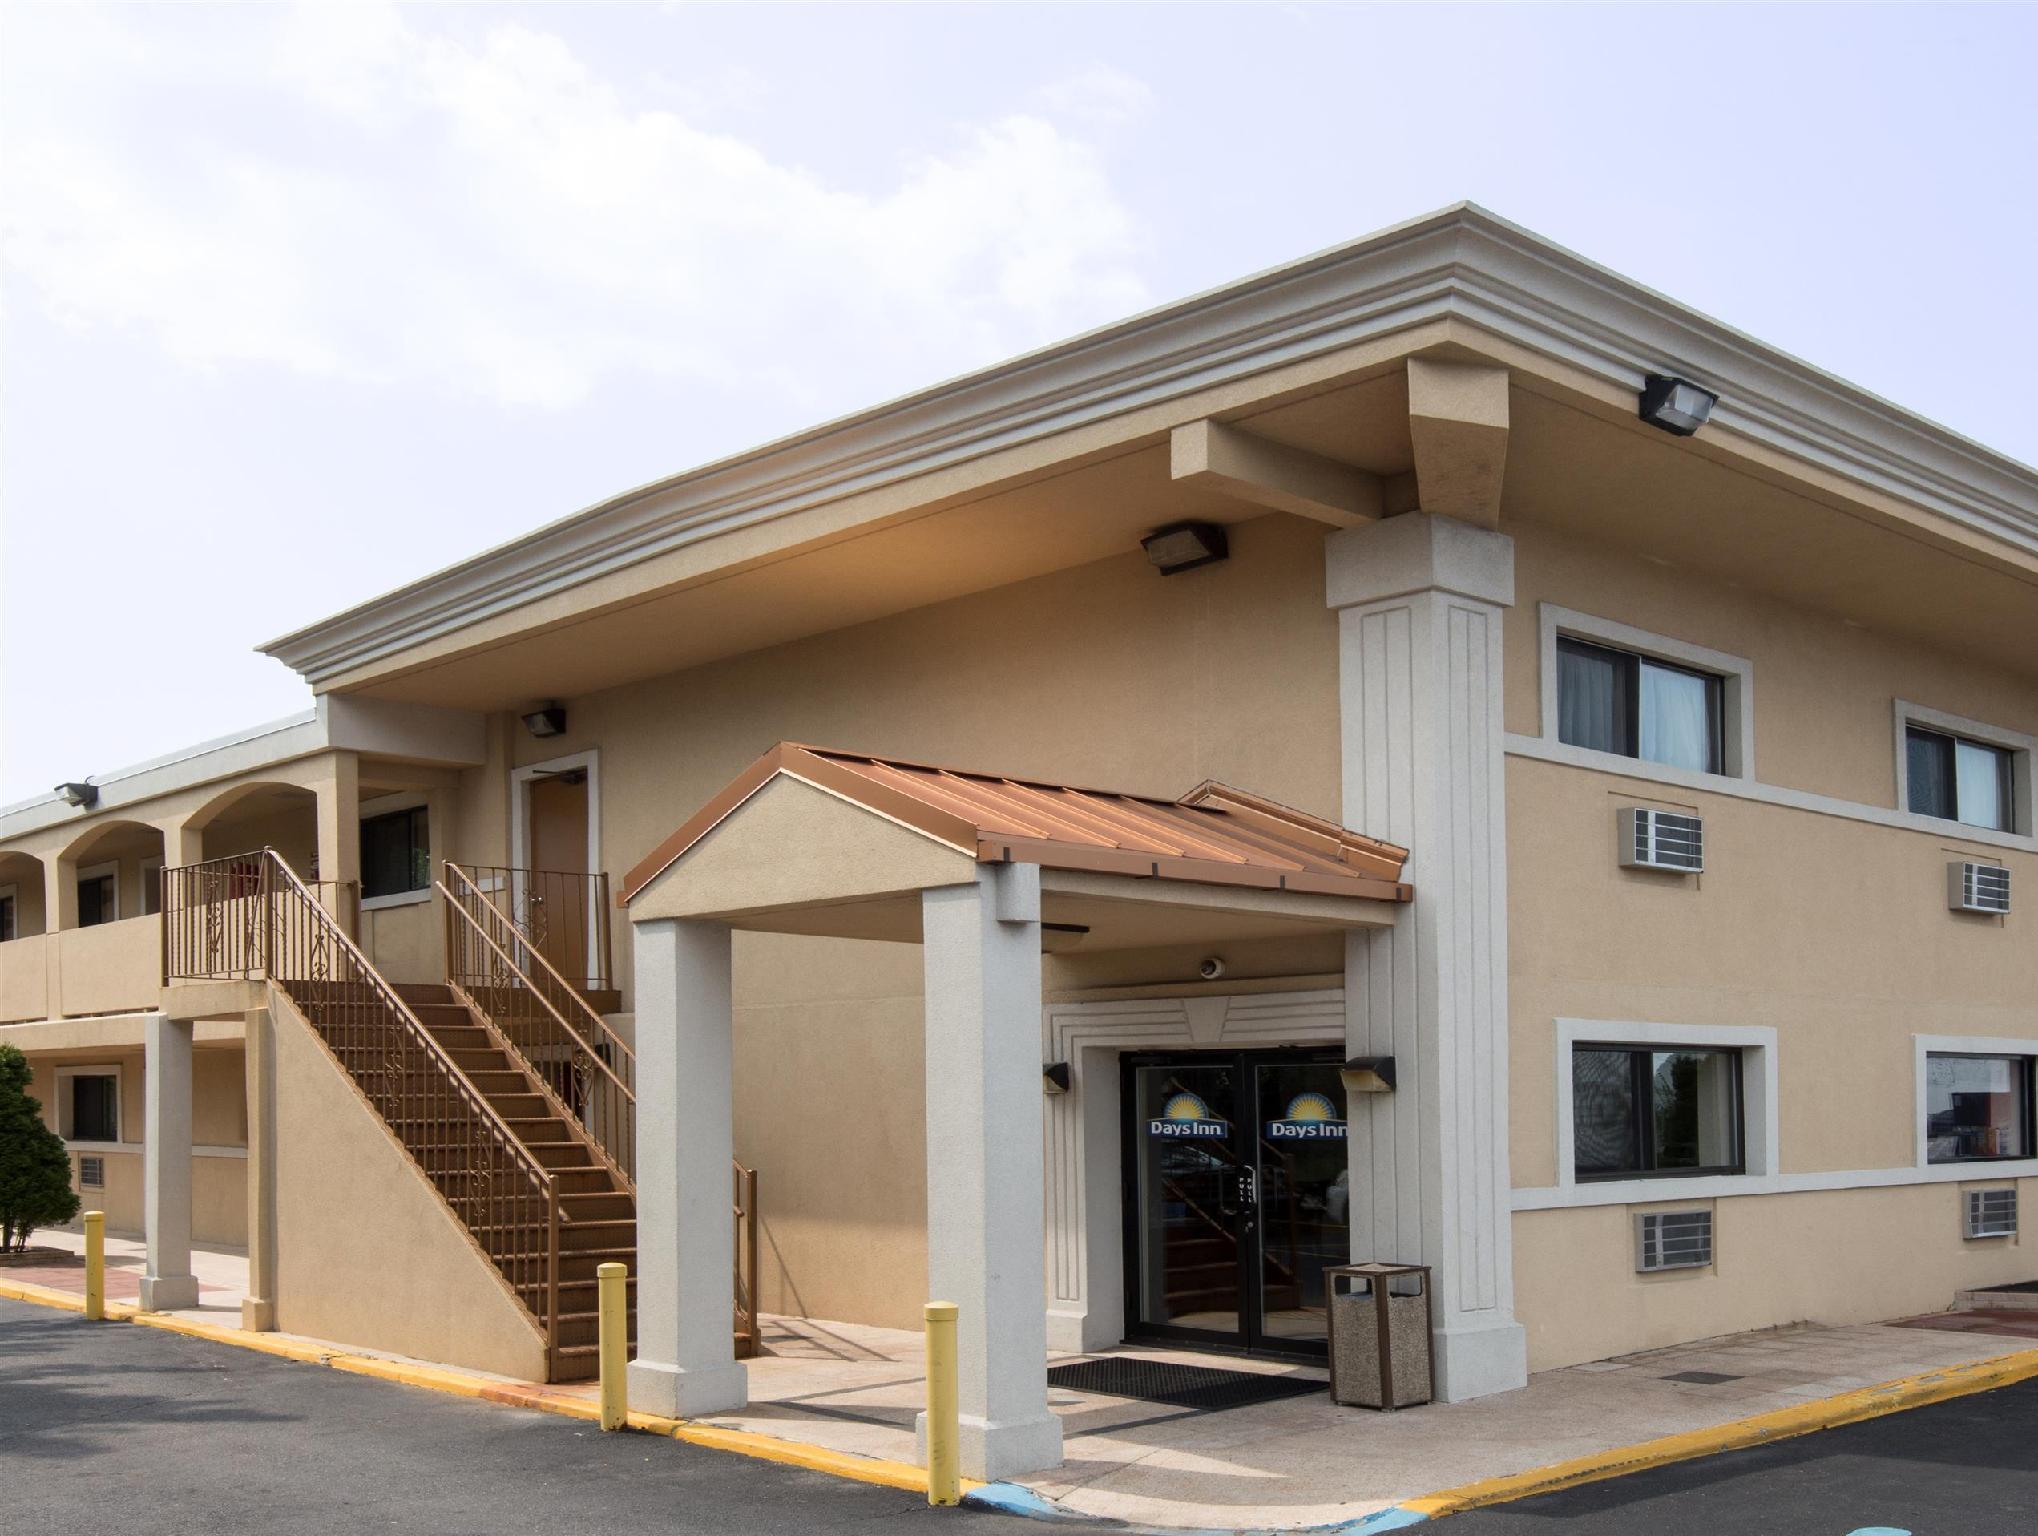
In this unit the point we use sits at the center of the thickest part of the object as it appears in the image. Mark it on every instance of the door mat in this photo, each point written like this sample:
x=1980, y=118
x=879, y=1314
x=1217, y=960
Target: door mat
x=1179, y=1386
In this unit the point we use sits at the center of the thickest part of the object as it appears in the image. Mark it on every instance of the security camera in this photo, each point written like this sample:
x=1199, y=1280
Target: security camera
x=1211, y=969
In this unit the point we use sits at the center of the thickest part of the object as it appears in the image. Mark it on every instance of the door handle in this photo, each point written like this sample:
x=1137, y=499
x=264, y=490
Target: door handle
x=1248, y=1188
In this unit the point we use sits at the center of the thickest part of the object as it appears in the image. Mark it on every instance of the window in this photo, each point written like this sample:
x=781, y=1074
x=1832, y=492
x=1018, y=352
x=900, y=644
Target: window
x=395, y=855
x=1640, y=1111
x=1977, y=1108
x=1634, y=706
x=93, y=1099
x=1960, y=780
x=98, y=895
x=152, y=886
x=6, y=913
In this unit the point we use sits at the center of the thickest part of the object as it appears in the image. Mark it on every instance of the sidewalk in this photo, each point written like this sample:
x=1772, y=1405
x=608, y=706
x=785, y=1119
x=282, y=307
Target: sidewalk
x=829, y=1394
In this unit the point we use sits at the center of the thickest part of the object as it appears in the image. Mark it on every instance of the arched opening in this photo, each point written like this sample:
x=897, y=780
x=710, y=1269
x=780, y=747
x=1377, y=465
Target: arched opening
x=21, y=897
x=115, y=871
x=251, y=817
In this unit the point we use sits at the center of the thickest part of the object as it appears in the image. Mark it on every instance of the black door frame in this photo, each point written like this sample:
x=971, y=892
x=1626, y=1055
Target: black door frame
x=1248, y=1339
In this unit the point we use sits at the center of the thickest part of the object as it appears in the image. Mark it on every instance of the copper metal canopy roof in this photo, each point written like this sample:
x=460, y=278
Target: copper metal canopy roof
x=1213, y=835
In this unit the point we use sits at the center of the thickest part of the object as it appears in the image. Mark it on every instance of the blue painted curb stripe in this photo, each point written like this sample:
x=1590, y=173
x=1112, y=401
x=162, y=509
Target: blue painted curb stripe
x=1016, y=1499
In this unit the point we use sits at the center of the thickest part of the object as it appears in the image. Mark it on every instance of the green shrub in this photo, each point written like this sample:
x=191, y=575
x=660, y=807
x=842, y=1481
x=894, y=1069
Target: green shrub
x=35, y=1167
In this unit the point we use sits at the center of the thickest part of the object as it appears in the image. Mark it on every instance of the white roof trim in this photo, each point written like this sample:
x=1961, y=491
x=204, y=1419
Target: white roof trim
x=1461, y=262
x=415, y=732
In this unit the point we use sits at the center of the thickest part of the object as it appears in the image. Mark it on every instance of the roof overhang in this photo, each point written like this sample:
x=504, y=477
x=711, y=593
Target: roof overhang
x=1462, y=267
x=817, y=842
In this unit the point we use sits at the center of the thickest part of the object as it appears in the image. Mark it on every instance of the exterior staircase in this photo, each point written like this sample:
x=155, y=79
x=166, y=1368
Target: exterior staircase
x=505, y=1086
x=597, y=1207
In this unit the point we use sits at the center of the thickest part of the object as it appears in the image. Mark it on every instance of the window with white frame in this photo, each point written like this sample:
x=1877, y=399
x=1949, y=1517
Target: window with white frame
x=1977, y=1107
x=1956, y=779
x=152, y=886
x=1610, y=688
x=98, y=895
x=1960, y=770
x=1616, y=701
x=88, y=1103
x=1655, y=1111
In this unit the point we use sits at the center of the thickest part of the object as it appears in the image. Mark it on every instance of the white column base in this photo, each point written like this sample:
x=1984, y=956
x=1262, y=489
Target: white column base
x=1477, y=1360
x=991, y=1451
x=688, y=1392
x=1080, y=1330
x=168, y=1293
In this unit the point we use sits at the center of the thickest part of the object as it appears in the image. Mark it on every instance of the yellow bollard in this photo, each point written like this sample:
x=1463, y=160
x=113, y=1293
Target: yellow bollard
x=613, y=1321
x=944, y=1453
x=95, y=1266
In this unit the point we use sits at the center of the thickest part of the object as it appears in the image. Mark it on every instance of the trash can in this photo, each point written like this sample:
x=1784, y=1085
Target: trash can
x=1379, y=1334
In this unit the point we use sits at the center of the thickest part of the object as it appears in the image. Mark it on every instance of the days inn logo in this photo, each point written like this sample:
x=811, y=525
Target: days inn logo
x=1185, y=1117
x=1310, y=1117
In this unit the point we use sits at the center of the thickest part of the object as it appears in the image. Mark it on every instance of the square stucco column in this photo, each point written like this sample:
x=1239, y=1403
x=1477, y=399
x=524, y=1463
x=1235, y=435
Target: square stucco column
x=258, y=1307
x=1419, y=602
x=986, y=1223
x=167, y=1281
x=686, y=1246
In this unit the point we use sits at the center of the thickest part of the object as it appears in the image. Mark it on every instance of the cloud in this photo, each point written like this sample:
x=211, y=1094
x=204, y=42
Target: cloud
x=341, y=193
x=1099, y=94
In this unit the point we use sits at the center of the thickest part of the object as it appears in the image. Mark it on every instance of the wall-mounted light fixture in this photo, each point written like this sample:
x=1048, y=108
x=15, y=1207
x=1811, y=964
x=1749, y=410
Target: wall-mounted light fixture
x=1184, y=546
x=1058, y=937
x=549, y=721
x=1368, y=1074
x=1676, y=405
x=1054, y=1077
x=83, y=795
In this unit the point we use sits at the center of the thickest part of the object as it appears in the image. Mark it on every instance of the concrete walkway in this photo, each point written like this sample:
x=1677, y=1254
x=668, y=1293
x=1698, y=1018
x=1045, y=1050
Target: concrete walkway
x=222, y=1272
x=1301, y=1461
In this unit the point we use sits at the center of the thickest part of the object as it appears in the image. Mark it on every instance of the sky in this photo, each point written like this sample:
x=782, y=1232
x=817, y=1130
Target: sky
x=298, y=305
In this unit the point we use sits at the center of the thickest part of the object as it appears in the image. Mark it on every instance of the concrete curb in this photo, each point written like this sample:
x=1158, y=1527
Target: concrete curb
x=1740, y=1434
x=458, y=1383
x=1016, y=1499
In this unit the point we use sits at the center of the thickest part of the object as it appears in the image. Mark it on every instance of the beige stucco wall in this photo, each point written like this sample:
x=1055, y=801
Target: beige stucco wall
x=25, y=978
x=1840, y=1256
x=1831, y=930
x=1825, y=689
x=1834, y=932
x=1108, y=675
x=219, y=1184
x=366, y=1251
x=403, y=942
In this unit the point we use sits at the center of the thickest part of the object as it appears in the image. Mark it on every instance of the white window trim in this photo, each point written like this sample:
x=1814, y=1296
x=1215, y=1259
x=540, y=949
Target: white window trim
x=83, y=1069
x=2020, y=746
x=149, y=867
x=1964, y=1045
x=11, y=893
x=1759, y=1130
x=1737, y=673
x=100, y=871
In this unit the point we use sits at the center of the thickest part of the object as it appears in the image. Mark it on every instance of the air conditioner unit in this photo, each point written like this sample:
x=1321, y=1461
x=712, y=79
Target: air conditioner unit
x=1991, y=1212
x=1977, y=887
x=1672, y=1240
x=91, y=1173
x=1668, y=840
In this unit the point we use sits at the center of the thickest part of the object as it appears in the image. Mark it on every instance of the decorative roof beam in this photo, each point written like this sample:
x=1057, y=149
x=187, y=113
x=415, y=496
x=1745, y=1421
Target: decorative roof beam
x=1270, y=474
x=1457, y=420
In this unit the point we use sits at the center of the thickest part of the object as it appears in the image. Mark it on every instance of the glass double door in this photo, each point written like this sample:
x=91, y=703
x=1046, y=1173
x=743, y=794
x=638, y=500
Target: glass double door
x=1237, y=1197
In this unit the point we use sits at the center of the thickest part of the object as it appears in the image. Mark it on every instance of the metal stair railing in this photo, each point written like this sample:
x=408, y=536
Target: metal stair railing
x=251, y=917
x=583, y=1064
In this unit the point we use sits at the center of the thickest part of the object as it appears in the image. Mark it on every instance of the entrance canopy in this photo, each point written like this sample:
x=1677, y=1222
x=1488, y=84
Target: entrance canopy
x=809, y=840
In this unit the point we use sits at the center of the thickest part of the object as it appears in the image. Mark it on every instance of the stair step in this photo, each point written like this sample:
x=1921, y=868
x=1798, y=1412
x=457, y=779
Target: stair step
x=597, y=1205
x=534, y=1131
